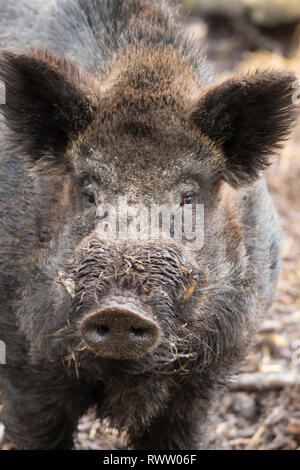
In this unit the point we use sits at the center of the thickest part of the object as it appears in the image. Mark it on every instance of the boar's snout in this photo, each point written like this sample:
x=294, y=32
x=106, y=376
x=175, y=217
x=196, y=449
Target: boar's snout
x=120, y=331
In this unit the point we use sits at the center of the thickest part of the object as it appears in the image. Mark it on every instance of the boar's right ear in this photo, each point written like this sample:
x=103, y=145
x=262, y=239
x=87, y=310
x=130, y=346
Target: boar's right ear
x=247, y=118
x=48, y=101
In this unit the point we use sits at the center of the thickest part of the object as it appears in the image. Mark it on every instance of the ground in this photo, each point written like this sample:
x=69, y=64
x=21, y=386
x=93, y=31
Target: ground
x=262, y=411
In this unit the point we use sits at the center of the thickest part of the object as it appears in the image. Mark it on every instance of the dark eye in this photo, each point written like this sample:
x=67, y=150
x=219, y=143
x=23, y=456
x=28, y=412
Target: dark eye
x=188, y=199
x=91, y=199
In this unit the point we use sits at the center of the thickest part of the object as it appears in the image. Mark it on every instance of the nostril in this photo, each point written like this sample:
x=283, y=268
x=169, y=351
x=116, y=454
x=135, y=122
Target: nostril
x=102, y=330
x=96, y=333
x=139, y=333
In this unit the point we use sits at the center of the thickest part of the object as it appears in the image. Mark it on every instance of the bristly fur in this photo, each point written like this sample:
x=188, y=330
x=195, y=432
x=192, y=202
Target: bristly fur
x=114, y=100
x=49, y=101
x=248, y=117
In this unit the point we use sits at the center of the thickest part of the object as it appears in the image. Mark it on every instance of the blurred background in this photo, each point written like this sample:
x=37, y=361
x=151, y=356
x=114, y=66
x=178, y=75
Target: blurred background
x=261, y=409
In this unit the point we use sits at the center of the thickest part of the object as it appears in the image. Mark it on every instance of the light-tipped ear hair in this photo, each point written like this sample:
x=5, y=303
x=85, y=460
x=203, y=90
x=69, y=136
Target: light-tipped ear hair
x=48, y=101
x=247, y=118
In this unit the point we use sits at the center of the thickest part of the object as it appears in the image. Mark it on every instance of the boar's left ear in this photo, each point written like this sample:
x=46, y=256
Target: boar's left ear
x=48, y=101
x=247, y=118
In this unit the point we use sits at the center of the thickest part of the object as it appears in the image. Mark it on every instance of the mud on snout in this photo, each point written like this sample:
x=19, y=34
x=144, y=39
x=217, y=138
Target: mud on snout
x=128, y=298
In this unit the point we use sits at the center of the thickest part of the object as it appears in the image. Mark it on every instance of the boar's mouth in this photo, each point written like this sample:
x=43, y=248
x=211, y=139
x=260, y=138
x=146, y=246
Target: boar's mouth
x=120, y=328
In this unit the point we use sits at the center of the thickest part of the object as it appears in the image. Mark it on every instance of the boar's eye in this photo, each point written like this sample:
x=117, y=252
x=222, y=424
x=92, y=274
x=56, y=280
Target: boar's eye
x=91, y=199
x=88, y=191
x=187, y=199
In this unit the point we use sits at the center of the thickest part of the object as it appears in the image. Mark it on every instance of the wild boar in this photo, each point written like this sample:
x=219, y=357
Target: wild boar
x=107, y=99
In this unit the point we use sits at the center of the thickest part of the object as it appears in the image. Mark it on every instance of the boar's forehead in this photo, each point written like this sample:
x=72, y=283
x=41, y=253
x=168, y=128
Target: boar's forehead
x=144, y=161
x=142, y=124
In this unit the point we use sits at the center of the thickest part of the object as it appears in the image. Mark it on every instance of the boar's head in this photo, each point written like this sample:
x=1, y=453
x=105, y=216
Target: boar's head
x=149, y=130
